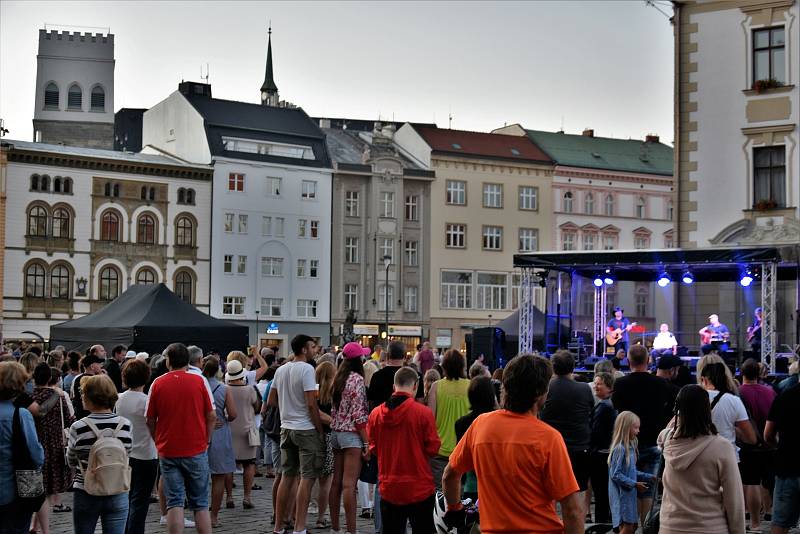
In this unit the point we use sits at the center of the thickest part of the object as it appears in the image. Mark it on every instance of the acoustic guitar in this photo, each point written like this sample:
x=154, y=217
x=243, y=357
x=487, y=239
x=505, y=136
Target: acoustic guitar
x=707, y=337
x=613, y=337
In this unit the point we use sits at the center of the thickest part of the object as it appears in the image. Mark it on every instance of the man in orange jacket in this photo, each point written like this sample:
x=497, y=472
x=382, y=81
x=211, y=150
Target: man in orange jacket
x=402, y=433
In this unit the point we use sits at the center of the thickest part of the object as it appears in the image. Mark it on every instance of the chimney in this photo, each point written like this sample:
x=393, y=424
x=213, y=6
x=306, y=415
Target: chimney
x=588, y=132
x=651, y=138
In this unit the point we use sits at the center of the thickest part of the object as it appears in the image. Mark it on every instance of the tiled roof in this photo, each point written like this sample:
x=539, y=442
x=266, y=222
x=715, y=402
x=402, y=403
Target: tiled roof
x=482, y=145
x=605, y=153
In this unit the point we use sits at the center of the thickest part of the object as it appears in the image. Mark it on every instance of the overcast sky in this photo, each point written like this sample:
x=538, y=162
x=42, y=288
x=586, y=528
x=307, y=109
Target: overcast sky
x=604, y=65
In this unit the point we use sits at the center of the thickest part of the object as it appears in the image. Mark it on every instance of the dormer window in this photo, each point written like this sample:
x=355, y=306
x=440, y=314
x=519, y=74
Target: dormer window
x=267, y=148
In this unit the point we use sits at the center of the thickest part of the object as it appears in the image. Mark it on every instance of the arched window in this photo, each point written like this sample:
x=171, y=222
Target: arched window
x=144, y=193
x=640, y=207
x=44, y=183
x=567, y=205
x=181, y=196
x=146, y=230
x=588, y=204
x=152, y=195
x=609, y=205
x=59, y=282
x=61, y=222
x=109, y=283
x=98, y=99
x=57, y=184
x=109, y=226
x=184, y=286
x=146, y=276
x=35, y=182
x=67, y=186
x=37, y=221
x=51, y=96
x=107, y=189
x=184, y=232
x=116, y=190
x=75, y=98
x=34, y=281
x=190, y=197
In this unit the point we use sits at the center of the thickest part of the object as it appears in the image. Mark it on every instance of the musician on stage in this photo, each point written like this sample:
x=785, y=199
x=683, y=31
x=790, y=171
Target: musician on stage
x=664, y=343
x=715, y=336
x=754, y=333
x=621, y=324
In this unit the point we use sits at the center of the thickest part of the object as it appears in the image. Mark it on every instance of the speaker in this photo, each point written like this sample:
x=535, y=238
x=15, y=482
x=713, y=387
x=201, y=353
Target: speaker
x=782, y=364
x=483, y=343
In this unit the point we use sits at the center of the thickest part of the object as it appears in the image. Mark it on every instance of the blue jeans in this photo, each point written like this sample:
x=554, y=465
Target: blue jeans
x=648, y=462
x=786, y=502
x=143, y=476
x=186, y=479
x=112, y=511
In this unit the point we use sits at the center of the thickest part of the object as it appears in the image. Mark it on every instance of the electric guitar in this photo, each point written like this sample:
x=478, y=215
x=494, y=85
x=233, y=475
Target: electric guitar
x=751, y=332
x=614, y=336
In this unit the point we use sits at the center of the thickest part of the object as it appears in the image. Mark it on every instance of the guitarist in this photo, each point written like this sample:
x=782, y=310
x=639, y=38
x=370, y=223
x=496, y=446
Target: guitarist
x=714, y=336
x=621, y=325
x=754, y=333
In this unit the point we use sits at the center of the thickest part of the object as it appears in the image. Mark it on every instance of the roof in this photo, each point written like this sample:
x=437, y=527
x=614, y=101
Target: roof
x=482, y=145
x=347, y=146
x=648, y=157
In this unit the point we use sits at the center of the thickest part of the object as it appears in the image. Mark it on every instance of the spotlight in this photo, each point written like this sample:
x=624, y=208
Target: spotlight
x=687, y=278
x=746, y=279
x=663, y=279
x=598, y=282
x=608, y=279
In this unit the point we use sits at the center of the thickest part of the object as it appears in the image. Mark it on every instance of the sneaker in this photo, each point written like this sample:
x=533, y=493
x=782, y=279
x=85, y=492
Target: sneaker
x=187, y=523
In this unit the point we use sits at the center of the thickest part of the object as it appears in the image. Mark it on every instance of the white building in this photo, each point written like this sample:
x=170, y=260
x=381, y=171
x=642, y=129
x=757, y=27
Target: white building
x=82, y=225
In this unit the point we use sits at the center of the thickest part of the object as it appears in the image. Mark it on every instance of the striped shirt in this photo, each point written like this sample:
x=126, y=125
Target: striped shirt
x=81, y=439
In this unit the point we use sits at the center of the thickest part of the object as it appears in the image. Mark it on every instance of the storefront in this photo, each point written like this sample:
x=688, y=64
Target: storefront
x=369, y=335
x=279, y=334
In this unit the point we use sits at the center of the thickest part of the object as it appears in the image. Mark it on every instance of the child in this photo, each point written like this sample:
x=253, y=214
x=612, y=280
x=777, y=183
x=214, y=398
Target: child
x=623, y=478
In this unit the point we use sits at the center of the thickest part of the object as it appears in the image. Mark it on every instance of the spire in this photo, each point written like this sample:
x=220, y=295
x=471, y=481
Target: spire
x=269, y=91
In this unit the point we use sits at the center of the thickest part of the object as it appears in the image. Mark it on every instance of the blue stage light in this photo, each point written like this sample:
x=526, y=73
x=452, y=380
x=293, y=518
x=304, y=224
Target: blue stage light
x=687, y=278
x=663, y=280
x=598, y=282
x=608, y=280
x=746, y=279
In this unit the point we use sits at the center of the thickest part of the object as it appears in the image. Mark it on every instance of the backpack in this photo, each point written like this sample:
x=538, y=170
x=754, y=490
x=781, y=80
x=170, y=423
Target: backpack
x=107, y=472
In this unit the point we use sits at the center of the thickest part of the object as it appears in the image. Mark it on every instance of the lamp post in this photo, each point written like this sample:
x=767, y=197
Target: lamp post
x=387, y=261
x=258, y=346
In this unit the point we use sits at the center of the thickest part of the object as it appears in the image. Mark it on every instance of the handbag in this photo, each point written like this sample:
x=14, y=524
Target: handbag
x=64, y=431
x=369, y=471
x=28, y=477
x=253, y=439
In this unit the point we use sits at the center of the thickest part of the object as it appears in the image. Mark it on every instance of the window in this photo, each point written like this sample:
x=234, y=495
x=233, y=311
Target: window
x=146, y=276
x=769, y=177
x=143, y=194
x=301, y=268
x=641, y=241
x=492, y=291
x=109, y=226
x=609, y=241
x=271, y=266
x=232, y=305
x=314, y=229
x=387, y=204
x=278, y=226
x=241, y=265
x=669, y=240
x=181, y=196
x=588, y=204
x=266, y=225
x=528, y=239
x=116, y=190
x=516, y=283
x=44, y=183
x=109, y=283
x=351, y=250
x=456, y=192
x=589, y=240
x=456, y=290
x=227, y=264
x=61, y=222
x=566, y=204
x=410, y=299
x=257, y=146
x=351, y=297
x=34, y=281
x=98, y=99
x=306, y=308
x=309, y=190
x=412, y=253
x=301, y=227
x=107, y=189
x=568, y=239
x=37, y=221
x=184, y=286
x=51, y=100
x=587, y=299
x=492, y=237
x=492, y=196
x=271, y=307
x=609, y=205
x=351, y=203
x=242, y=224
x=641, y=208
x=59, y=282
x=670, y=210
x=528, y=198
x=236, y=182
x=229, y=222
x=274, y=186
x=190, y=198
x=387, y=249
x=152, y=194
x=34, y=182
x=75, y=98
x=313, y=268
x=146, y=230
x=184, y=232
x=455, y=235
x=641, y=302
x=384, y=298
x=412, y=207
x=769, y=52
x=57, y=184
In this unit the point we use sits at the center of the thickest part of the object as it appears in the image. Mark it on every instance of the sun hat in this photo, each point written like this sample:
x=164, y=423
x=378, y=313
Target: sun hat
x=235, y=371
x=355, y=350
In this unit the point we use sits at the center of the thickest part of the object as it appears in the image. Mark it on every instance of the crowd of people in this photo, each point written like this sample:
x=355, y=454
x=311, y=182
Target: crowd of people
x=420, y=441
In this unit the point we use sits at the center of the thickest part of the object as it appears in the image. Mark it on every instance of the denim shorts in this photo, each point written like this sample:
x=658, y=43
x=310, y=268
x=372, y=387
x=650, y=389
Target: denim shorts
x=786, y=502
x=186, y=479
x=649, y=462
x=345, y=440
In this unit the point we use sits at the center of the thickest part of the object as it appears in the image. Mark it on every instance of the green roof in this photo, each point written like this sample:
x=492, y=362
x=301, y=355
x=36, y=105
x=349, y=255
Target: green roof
x=605, y=153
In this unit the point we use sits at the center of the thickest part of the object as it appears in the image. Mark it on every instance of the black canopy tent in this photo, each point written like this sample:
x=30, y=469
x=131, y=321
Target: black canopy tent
x=148, y=318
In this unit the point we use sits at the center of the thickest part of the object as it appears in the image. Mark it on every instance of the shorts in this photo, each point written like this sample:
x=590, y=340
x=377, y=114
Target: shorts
x=249, y=461
x=755, y=467
x=186, y=479
x=302, y=452
x=581, y=467
x=275, y=450
x=345, y=440
x=649, y=462
x=786, y=502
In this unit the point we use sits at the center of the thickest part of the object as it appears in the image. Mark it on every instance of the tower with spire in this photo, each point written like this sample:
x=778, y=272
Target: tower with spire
x=269, y=91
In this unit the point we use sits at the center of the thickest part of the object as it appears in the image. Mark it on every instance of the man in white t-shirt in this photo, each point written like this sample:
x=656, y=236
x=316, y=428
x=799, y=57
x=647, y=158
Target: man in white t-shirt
x=294, y=392
x=664, y=343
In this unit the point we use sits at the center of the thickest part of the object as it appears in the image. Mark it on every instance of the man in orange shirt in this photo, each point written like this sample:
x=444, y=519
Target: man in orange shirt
x=512, y=444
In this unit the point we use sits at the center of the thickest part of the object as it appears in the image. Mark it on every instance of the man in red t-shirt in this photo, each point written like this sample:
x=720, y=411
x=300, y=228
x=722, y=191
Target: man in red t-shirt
x=181, y=417
x=521, y=463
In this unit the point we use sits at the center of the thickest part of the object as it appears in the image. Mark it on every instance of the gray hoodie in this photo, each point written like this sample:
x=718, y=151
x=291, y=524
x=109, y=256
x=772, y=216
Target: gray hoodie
x=702, y=487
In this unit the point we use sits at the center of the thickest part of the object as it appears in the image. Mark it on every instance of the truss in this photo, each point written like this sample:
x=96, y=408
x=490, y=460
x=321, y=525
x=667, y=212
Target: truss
x=769, y=281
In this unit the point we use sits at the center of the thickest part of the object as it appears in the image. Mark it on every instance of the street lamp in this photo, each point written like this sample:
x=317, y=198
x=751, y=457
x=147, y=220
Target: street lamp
x=257, y=342
x=387, y=261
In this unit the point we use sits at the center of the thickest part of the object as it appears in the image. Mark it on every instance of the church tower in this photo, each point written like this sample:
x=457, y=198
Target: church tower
x=269, y=91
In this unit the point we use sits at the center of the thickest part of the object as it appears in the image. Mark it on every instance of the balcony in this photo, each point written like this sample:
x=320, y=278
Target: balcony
x=139, y=251
x=49, y=244
x=47, y=306
x=184, y=252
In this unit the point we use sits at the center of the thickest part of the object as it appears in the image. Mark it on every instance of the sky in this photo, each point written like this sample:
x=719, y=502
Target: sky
x=596, y=64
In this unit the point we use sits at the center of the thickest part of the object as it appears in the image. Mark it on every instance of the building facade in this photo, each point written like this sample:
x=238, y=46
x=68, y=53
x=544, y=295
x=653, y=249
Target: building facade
x=82, y=225
x=75, y=89
x=736, y=129
x=491, y=199
x=380, y=243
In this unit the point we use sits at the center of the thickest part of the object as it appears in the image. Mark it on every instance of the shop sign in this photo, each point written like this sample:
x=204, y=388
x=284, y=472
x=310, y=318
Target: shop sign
x=405, y=330
x=273, y=328
x=366, y=329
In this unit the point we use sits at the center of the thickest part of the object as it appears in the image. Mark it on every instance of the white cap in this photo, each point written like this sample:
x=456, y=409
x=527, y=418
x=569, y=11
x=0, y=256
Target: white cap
x=131, y=354
x=142, y=356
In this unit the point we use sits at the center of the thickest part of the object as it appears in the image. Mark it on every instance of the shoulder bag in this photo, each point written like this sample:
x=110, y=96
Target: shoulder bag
x=28, y=477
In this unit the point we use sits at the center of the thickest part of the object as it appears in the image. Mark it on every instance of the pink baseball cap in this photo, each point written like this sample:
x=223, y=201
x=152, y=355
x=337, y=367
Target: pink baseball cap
x=354, y=350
